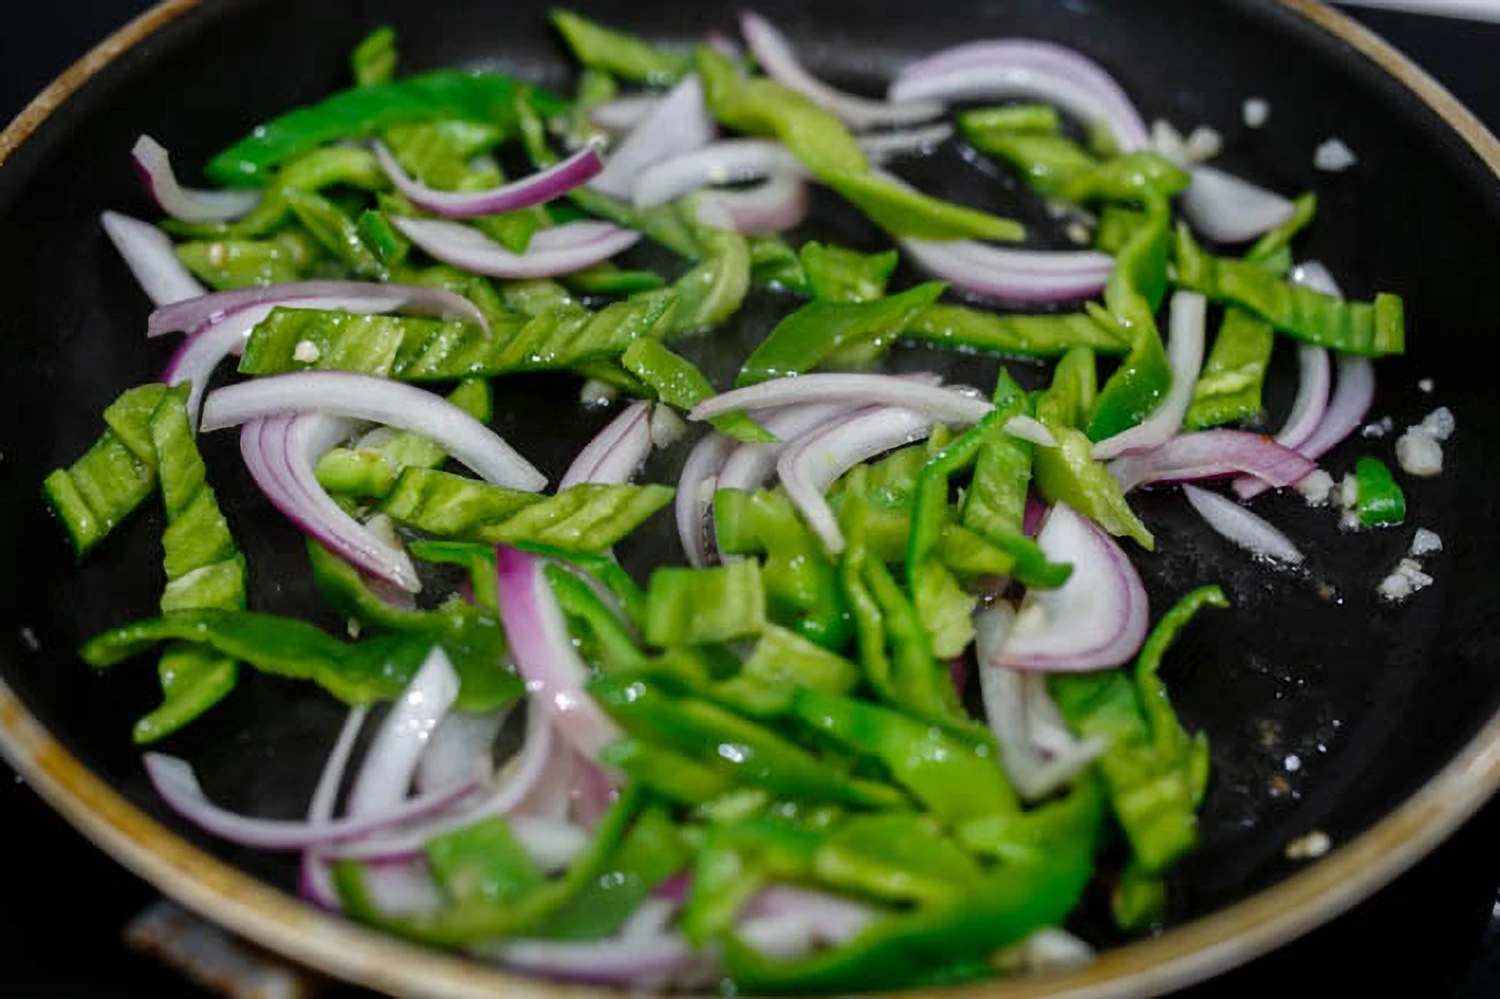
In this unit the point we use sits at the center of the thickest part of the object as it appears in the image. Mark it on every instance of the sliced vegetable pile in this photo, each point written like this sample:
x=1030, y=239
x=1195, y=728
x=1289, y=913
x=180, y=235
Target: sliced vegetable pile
x=902, y=705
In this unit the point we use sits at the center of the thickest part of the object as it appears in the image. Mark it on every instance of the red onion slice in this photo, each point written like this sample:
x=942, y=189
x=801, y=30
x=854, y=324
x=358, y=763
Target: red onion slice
x=624, y=113
x=749, y=465
x=281, y=454
x=461, y=749
x=348, y=296
x=636, y=961
x=786, y=923
x=774, y=53
x=508, y=790
x=1185, y=355
x=1097, y=619
x=676, y=125
x=1227, y=209
x=313, y=881
x=942, y=404
x=729, y=161
x=773, y=206
x=544, y=652
x=1209, y=454
x=151, y=257
x=1023, y=68
x=552, y=251
x=385, y=777
x=1314, y=381
x=178, y=786
x=1242, y=527
x=378, y=400
x=537, y=189
x=695, y=496
x=617, y=452
x=1013, y=275
x=815, y=462
x=154, y=164
x=199, y=355
x=885, y=146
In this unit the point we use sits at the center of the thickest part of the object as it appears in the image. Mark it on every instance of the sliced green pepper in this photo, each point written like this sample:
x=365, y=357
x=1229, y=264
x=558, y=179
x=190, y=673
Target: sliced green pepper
x=1024, y=336
x=700, y=606
x=1379, y=501
x=838, y=274
x=678, y=382
x=620, y=53
x=374, y=58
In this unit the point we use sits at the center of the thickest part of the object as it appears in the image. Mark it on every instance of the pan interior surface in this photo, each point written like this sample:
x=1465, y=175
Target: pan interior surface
x=1326, y=707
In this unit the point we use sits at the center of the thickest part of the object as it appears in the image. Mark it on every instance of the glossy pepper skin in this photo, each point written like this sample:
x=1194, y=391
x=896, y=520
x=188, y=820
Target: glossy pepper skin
x=1379, y=501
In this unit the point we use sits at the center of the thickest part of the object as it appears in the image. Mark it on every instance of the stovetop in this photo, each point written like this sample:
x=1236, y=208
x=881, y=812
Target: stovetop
x=1432, y=934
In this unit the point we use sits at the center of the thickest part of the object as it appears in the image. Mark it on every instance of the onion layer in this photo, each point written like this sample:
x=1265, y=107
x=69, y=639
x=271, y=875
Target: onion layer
x=1241, y=526
x=154, y=164
x=1210, y=454
x=1227, y=209
x=562, y=250
x=349, y=296
x=539, y=188
x=1185, y=354
x=677, y=124
x=151, y=257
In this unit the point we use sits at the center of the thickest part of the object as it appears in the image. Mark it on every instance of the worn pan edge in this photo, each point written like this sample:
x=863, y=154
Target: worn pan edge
x=1178, y=958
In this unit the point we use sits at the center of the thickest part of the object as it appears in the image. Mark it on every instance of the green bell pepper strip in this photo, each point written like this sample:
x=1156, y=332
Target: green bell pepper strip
x=366, y=111
x=1132, y=295
x=774, y=264
x=760, y=106
x=606, y=639
x=1368, y=329
x=701, y=606
x=838, y=274
x=677, y=382
x=801, y=584
x=1167, y=733
x=1024, y=837
x=994, y=505
x=372, y=670
x=204, y=569
x=1011, y=119
x=858, y=332
x=923, y=685
x=337, y=233
x=620, y=53
x=668, y=775
x=607, y=279
x=442, y=153
x=781, y=663
x=1234, y=375
x=470, y=634
x=899, y=857
x=1073, y=392
x=116, y=475
x=375, y=231
x=417, y=349
x=310, y=172
x=228, y=264
x=1068, y=472
x=1048, y=163
x=653, y=850
x=595, y=87
x=1151, y=794
x=373, y=60
x=483, y=861
x=1379, y=501
x=715, y=289
x=1272, y=246
x=663, y=224
x=737, y=859
x=1117, y=224
x=956, y=777
x=1024, y=336
x=452, y=506
x=1134, y=177
x=936, y=942
x=476, y=918
x=1138, y=899
x=585, y=518
x=370, y=469
x=716, y=736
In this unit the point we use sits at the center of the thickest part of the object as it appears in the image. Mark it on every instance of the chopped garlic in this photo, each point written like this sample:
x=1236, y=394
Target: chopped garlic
x=666, y=427
x=1425, y=542
x=1203, y=145
x=596, y=393
x=1348, y=492
x=1418, y=453
x=1407, y=578
x=1309, y=847
x=1315, y=487
x=1257, y=111
x=1426, y=385
x=306, y=352
x=1440, y=424
x=1334, y=156
x=1167, y=141
x=352, y=626
x=1379, y=428
x=1078, y=233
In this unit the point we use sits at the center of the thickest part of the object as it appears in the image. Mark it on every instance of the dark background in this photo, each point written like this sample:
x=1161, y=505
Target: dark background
x=1434, y=933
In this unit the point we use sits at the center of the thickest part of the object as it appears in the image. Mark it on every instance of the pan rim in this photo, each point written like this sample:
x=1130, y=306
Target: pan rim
x=1179, y=957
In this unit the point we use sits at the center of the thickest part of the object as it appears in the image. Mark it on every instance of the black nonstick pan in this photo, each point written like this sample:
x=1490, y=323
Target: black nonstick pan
x=1328, y=710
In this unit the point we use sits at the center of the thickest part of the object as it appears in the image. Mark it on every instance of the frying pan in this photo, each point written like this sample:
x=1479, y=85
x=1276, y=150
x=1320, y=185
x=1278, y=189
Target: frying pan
x=1327, y=710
